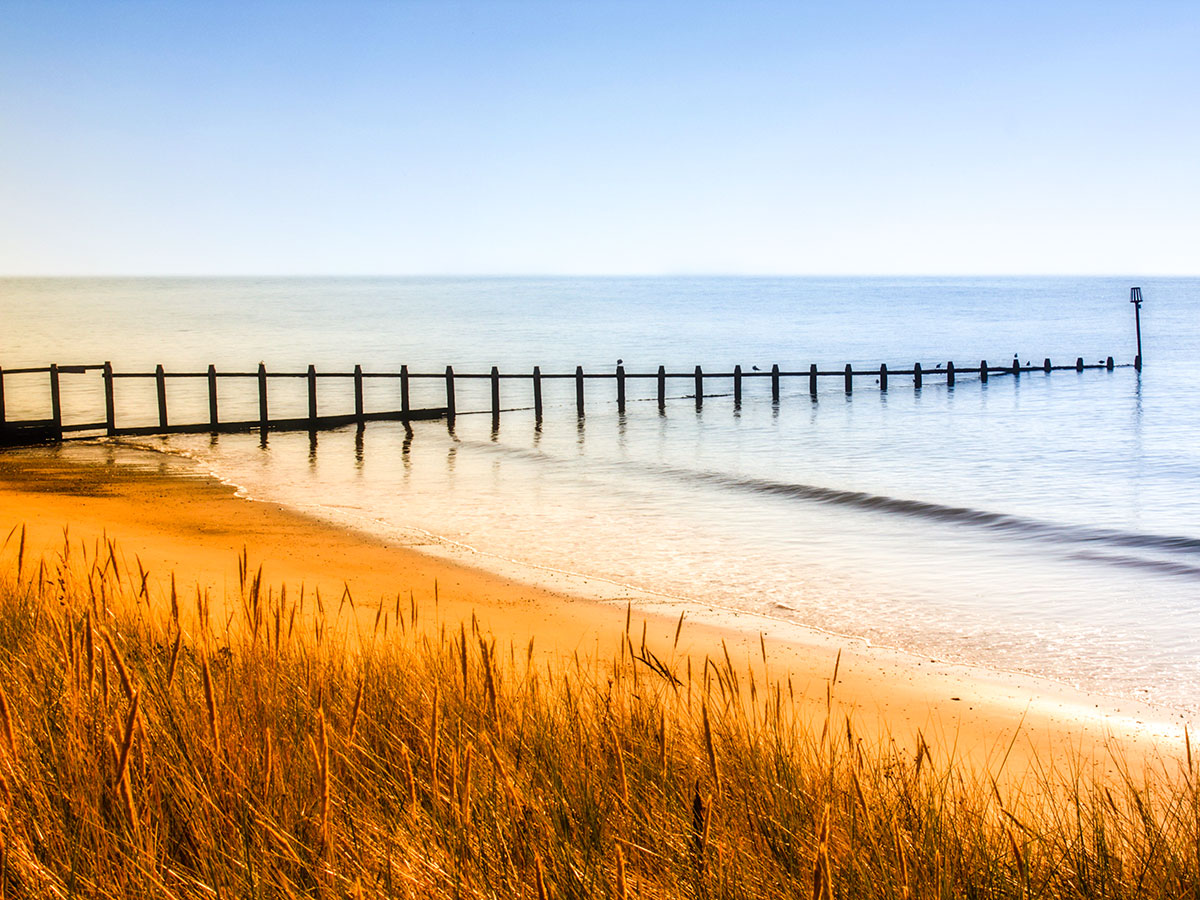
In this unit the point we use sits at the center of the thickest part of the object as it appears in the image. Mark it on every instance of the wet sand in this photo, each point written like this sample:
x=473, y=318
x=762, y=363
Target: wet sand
x=172, y=518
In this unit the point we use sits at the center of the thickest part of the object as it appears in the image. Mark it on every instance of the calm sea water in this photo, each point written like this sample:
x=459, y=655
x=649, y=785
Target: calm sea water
x=1047, y=524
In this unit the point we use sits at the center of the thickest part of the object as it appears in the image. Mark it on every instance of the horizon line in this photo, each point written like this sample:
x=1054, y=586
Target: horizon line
x=588, y=275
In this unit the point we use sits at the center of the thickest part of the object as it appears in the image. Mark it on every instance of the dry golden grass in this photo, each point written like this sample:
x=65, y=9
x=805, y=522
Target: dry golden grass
x=147, y=751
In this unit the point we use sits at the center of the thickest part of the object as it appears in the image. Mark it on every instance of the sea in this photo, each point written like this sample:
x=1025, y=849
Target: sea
x=1046, y=524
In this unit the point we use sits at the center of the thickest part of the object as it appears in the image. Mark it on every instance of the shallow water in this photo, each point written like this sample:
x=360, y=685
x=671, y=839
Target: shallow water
x=1046, y=523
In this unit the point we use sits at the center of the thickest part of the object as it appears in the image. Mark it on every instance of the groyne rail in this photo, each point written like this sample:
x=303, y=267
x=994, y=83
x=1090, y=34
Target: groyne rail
x=30, y=431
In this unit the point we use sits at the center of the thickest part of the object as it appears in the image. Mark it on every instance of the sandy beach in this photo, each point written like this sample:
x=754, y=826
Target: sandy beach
x=174, y=519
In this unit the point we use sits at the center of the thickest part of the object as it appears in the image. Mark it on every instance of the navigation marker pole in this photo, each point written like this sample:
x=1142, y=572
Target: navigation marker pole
x=1135, y=297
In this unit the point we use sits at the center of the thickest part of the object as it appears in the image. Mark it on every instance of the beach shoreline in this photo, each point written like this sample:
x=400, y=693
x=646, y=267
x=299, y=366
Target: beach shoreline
x=176, y=520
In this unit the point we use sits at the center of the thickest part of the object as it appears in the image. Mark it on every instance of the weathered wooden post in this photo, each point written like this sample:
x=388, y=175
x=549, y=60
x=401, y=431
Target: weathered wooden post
x=1109, y=364
x=1016, y=368
x=737, y=385
x=983, y=373
x=1046, y=366
x=662, y=388
x=537, y=393
x=883, y=376
x=312, y=397
x=621, y=390
x=55, y=400
x=212, y=395
x=775, y=383
x=1079, y=364
x=699, y=388
x=262, y=399
x=950, y=374
x=450, y=411
x=1135, y=297
x=160, y=381
x=849, y=379
x=579, y=391
x=495, y=378
x=359, y=411
x=916, y=375
x=812, y=380
x=1, y=395
x=404, y=404
x=110, y=406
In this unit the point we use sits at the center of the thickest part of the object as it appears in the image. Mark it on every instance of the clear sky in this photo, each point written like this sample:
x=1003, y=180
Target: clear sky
x=588, y=136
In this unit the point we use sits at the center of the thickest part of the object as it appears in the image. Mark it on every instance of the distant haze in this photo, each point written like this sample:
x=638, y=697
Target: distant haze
x=599, y=137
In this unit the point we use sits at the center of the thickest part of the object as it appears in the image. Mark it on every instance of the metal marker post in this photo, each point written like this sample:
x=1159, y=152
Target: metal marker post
x=1135, y=297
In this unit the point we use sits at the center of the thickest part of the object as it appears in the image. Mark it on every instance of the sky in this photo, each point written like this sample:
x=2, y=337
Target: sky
x=599, y=137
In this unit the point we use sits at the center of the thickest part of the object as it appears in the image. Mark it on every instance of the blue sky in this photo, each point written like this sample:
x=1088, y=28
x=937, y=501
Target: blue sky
x=599, y=137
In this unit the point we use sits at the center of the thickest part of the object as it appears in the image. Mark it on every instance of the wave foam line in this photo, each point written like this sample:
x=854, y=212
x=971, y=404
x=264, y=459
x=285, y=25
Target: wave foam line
x=1006, y=523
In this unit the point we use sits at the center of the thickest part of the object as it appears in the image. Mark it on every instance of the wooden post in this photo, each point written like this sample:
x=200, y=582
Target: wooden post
x=404, y=404
x=1109, y=364
x=450, y=411
x=883, y=376
x=359, y=411
x=775, y=383
x=737, y=385
x=1, y=395
x=495, y=394
x=537, y=393
x=110, y=406
x=262, y=398
x=849, y=379
x=812, y=380
x=1046, y=366
x=916, y=375
x=160, y=380
x=983, y=373
x=950, y=374
x=1079, y=364
x=699, y=388
x=1016, y=367
x=312, y=397
x=212, y=395
x=579, y=391
x=621, y=390
x=662, y=387
x=55, y=400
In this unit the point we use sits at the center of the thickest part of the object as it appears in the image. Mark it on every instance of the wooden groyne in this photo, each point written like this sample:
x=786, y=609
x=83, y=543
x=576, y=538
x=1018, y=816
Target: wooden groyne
x=29, y=431
x=53, y=428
